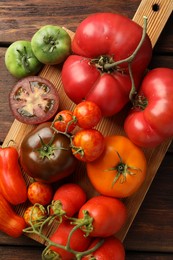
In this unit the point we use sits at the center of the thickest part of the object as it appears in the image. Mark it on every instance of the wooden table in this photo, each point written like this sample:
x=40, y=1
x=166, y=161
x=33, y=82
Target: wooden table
x=151, y=234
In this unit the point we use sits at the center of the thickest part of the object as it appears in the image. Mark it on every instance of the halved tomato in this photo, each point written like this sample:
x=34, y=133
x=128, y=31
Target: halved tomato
x=34, y=100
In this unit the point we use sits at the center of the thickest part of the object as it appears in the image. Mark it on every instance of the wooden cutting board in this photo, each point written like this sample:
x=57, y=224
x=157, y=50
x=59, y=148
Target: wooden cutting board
x=158, y=14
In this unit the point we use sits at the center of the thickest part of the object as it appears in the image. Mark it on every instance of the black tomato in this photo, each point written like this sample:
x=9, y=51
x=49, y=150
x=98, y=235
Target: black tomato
x=46, y=155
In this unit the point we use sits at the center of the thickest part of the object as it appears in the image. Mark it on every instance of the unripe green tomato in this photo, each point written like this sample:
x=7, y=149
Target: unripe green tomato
x=51, y=44
x=20, y=60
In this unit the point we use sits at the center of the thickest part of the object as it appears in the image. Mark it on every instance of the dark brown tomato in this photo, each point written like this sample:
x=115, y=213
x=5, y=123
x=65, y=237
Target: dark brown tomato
x=34, y=100
x=45, y=155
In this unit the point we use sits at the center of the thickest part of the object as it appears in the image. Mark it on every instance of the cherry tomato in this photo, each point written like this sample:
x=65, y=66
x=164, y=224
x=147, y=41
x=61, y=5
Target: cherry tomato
x=78, y=241
x=111, y=249
x=120, y=170
x=71, y=196
x=34, y=214
x=64, y=121
x=88, y=114
x=34, y=100
x=150, y=121
x=88, y=145
x=108, y=215
x=39, y=192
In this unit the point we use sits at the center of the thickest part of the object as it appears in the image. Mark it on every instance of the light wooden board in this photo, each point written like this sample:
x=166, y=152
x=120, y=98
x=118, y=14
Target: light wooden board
x=108, y=126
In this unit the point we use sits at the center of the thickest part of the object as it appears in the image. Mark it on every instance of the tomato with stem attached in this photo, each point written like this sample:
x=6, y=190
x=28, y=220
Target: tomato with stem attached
x=120, y=170
x=101, y=216
x=104, y=56
x=46, y=155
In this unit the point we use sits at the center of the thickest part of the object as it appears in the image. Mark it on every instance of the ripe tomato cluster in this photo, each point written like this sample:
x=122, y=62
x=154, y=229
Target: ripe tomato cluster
x=82, y=227
x=87, y=143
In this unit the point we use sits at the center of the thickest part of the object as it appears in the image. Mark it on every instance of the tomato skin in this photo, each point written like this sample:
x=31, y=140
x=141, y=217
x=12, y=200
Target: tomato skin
x=78, y=241
x=109, y=215
x=90, y=142
x=105, y=35
x=57, y=163
x=39, y=192
x=88, y=114
x=20, y=60
x=51, y=44
x=34, y=213
x=64, y=121
x=145, y=126
x=112, y=248
x=10, y=223
x=12, y=183
x=103, y=171
x=33, y=100
x=72, y=197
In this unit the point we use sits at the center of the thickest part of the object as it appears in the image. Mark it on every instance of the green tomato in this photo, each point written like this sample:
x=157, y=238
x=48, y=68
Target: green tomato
x=51, y=44
x=20, y=60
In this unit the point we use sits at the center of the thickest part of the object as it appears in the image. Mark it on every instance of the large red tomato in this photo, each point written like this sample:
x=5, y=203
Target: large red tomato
x=100, y=40
x=151, y=119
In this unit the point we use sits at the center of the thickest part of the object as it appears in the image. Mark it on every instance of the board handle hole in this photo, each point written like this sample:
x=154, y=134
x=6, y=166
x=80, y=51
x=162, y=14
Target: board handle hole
x=155, y=7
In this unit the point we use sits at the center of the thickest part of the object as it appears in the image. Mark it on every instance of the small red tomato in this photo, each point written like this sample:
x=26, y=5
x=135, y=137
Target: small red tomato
x=88, y=145
x=64, y=121
x=88, y=114
x=71, y=196
x=39, y=192
x=34, y=214
x=78, y=241
x=112, y=248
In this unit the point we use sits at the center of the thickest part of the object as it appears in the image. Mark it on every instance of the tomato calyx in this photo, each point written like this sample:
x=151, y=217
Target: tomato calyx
x=122, y=170
x=140, y=102
x=84, y=223
x=50, y=43
x=24, y=58
x=55, y=208
x=47, y=149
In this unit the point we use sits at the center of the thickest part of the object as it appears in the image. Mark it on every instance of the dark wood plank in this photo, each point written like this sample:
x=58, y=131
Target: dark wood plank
x=151, y=234
x=28, y=253
x=153, y=225
x=27, y=16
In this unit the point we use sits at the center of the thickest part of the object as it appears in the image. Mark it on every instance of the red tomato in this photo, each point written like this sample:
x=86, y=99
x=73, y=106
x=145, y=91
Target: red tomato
x=34, y=214
x=151, y=120
x=10, y=223
x=108, y=215
x=120, y=170
x=71, y=196
x=39, y=192
x=88, y=114
x=111, y=249
x=12, y=183
x=88, y=145
x=34, y=100
x=78, y=241
x=64, y=121
x=101, y=40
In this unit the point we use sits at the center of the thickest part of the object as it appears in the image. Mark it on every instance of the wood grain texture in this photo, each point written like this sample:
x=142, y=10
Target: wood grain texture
x=151, y=235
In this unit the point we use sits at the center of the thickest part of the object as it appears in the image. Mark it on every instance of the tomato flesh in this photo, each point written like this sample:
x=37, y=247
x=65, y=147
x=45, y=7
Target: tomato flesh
x=34, y=100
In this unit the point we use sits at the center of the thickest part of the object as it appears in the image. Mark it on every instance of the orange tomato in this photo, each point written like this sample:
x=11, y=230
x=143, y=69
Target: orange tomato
x=120, y=170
